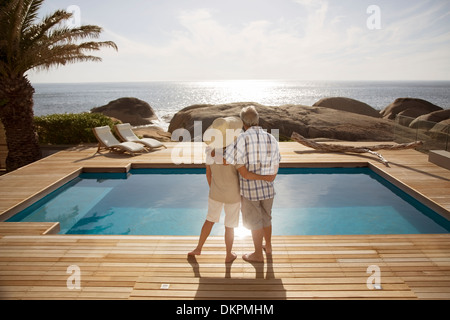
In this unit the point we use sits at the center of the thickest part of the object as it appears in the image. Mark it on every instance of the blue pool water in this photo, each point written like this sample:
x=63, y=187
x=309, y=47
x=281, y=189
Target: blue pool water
x=174, y=202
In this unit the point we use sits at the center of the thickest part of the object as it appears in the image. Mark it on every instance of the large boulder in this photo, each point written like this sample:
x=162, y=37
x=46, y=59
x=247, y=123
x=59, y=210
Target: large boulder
x=408, y=107
x=311, y=122
x=349, y=105
x=436, y=117
x=436, y=122
x=129, y=110
x=442, y=127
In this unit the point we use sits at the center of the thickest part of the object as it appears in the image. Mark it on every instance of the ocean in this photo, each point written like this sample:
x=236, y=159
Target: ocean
x=167, y=98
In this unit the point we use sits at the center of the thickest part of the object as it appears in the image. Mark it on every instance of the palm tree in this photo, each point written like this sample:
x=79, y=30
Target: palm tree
x=26, y=44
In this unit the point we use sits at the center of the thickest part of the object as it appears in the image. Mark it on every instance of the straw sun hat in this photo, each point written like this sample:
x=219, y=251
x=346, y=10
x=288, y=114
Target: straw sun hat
x=223, y=132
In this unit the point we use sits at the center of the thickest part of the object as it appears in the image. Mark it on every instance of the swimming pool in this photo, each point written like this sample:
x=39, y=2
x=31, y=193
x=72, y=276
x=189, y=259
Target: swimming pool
x=341, y=201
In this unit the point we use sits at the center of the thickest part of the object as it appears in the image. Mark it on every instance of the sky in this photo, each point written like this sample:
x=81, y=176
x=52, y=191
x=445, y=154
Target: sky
x=206, y=40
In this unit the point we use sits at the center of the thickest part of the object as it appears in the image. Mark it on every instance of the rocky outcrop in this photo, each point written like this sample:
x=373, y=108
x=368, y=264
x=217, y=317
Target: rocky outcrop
x=437, y=122
x=408, y=107
x=442, y=127
x=332, y=118
x=434, y=117
x=349, y=105
x=421, y=120
x=310, y=122
x=129, y=110
x=154, y=132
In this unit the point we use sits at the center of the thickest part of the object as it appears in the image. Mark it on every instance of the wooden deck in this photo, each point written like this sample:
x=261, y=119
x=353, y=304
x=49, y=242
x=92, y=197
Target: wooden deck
x=34, y=262
x=127, y=267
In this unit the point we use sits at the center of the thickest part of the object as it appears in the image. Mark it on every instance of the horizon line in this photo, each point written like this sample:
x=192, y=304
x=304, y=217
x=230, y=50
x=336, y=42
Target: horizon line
x=237, y=80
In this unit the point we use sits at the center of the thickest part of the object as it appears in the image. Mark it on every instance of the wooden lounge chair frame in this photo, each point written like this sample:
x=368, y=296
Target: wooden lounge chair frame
x=125, y=133
x=106, y=140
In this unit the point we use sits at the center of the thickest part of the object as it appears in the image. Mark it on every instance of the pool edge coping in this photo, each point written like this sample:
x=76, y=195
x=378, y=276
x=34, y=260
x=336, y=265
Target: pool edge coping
x=411, y=191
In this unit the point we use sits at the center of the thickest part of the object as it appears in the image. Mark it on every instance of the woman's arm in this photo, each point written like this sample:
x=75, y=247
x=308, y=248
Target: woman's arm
x=208, y=174
x=253, y=176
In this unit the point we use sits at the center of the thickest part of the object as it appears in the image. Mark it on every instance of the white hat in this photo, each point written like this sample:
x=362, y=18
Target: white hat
x=223, y=132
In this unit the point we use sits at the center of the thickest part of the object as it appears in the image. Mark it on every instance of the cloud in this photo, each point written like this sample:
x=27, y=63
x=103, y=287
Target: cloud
x=324, y=40
x=203, y=48
x=319, y=46
x=317, y=12
x=256, y=49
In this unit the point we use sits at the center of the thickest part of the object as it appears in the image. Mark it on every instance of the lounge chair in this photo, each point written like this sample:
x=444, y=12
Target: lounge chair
x=125, y=132
x=106, y=140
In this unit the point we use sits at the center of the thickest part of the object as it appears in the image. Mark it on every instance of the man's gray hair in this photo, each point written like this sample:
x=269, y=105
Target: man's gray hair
x=250, y=116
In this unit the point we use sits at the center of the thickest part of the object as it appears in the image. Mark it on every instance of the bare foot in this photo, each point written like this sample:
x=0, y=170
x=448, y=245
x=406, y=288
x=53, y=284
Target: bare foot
x=252, y=257
x=267, y=248
x=196, y=252
x=230, y=258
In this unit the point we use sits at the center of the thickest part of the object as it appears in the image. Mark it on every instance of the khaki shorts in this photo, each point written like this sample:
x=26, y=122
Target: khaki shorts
x=231, y=212
x=256, y=214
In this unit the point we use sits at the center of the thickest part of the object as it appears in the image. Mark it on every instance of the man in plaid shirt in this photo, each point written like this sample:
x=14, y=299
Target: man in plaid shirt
x=259, y=152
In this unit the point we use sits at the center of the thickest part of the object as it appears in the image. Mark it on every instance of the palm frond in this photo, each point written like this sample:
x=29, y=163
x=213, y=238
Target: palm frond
x=31, y=14
x=10, y=18
x=42, y=30
x=60, y=55
x=68, y=35
x=27, y=44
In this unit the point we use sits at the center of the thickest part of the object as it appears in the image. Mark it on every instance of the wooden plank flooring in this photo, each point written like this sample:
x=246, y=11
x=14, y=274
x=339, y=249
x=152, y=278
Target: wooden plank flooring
x=135, y=267
x=28, y=228
x=35, y=266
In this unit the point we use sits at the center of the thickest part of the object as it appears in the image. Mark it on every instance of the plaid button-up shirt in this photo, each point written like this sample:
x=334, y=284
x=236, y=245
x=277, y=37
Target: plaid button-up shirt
x=259, y=152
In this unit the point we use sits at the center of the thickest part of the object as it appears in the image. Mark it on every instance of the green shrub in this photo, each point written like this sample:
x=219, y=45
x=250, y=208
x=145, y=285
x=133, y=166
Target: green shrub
x=70, y=128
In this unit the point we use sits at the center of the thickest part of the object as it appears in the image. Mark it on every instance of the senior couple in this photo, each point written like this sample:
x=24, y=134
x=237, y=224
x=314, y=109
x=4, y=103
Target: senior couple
x=240, y=169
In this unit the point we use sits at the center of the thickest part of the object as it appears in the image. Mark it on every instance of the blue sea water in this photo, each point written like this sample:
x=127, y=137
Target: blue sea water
x=167, y=98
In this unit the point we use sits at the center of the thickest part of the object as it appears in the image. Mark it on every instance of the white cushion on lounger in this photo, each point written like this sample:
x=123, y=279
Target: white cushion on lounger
x=126, y=133
x=107, y=140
